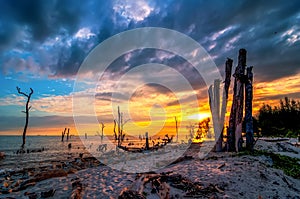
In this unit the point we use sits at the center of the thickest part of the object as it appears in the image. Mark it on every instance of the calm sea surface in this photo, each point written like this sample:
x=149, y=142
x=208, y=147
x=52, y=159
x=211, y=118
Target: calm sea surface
x=10, y=144
x=55, y=150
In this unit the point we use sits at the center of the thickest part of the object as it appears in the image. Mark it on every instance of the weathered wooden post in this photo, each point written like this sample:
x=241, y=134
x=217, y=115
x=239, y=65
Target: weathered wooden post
x=102, y=130
x=236, y=115
x=115, y=133
x=176, y=129
x=63, y=134
x=147, y=141
x=248, y=109
x=119, y=127
x=121, y=135
x=228, y=71
x=218, y=113
x=214, y=104
x=68, y=134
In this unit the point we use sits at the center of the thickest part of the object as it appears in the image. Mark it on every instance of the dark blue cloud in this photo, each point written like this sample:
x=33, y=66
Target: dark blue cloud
x=269, y=30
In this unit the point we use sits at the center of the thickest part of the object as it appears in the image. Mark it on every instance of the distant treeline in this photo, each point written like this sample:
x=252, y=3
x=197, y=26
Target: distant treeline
x=281, y=120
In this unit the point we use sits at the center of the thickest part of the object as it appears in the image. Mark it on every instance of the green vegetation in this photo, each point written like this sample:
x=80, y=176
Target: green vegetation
x=290, y=166
x=282, y=120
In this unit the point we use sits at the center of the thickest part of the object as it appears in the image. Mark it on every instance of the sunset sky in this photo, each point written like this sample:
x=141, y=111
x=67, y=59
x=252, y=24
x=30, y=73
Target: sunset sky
x=43, y=44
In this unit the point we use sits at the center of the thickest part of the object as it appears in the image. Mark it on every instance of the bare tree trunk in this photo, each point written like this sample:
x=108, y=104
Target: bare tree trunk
x=228, y=71
x=121, y=135
x=102, y=128
x=236, y=114
x=27, y=108
x=119, y=127
x=231, y=127
x=63, y=134
x=68, y=134
x=115, y=133
x=248, y=109
x=176, y=129
x=147, y=141
x=214, y=103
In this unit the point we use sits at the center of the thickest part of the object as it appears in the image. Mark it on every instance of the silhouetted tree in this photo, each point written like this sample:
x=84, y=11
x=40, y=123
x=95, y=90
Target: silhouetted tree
x=203, y=127
x=63, y=133
x=176, y=126
x=120, y=124
x=102, y=130
x=282, y=120
x=27, y=108
x=115, y=133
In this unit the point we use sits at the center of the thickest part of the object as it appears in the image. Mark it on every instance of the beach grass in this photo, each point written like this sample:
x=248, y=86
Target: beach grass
x=289, y=165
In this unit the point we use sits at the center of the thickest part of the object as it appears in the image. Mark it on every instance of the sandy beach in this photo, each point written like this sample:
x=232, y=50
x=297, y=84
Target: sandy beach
x=217, y=175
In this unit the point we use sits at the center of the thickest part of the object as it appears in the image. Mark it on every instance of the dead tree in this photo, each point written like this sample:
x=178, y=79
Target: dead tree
x=102, y=130
x=121, y=123
x=147, y=141
x=176, y=129
x=68, y=134
x=248, y=109
x=27, y=108
x=228, y=71
x=63, y=133
x=218, y=112
x=234, y=142
x=115, y=133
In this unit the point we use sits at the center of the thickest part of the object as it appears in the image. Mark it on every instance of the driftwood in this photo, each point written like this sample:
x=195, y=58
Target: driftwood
x=77, y=189
x=2, y=155
x=228, y=71
x=236, y=114
x=162, y=184
x=126, y=193
x=165, y=140
x=218, y=112
x=248, y=109
x=47, y=194
x=274, y=139
x=214, y=104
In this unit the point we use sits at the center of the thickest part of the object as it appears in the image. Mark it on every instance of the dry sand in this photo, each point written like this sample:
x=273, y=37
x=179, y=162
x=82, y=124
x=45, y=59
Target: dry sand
x=218, y=175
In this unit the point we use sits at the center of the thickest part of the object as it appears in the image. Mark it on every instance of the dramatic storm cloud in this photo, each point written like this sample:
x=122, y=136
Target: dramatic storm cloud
x=52, y=38
x=43, y=43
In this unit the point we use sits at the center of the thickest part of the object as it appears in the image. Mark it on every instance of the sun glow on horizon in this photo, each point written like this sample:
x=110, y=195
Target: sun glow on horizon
x=198, y=116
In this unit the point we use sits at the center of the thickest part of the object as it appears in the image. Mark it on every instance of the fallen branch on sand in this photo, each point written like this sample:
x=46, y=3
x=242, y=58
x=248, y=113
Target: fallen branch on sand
x=161, y=184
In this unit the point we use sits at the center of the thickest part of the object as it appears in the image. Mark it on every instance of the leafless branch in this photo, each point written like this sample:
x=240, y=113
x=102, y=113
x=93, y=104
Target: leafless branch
x=20, y=92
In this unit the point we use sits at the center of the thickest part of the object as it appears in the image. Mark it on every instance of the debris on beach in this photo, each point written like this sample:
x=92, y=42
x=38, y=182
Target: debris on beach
x=77, y=188
x=18, y=180
x=170, y=185
x=47, y=194
x=2, y=155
